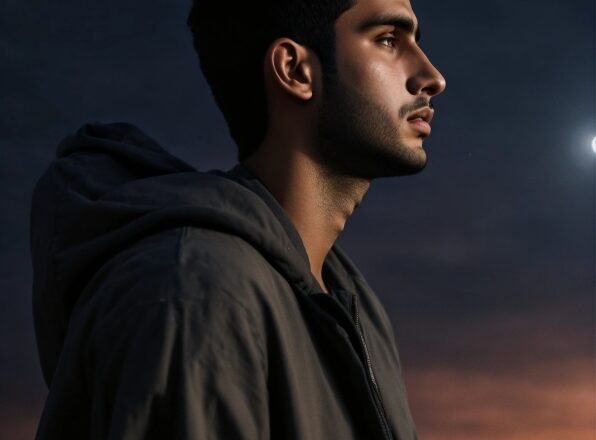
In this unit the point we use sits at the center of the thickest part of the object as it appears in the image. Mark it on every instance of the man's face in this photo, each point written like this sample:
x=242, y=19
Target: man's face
x=367, y=118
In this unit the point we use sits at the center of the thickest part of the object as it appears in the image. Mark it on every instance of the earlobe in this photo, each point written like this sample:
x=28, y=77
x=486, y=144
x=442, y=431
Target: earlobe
x=290, y=65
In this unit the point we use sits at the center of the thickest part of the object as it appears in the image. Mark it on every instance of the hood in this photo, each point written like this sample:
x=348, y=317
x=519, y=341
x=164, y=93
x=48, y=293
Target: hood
x=112, y=185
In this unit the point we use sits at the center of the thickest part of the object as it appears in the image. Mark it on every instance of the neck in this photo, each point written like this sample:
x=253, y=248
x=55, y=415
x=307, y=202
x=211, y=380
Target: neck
x=317, y=201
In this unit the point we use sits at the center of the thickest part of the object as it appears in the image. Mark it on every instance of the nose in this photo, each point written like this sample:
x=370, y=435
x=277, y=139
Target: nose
x=425, y=78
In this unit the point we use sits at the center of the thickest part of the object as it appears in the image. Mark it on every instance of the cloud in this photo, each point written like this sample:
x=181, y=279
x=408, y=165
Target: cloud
x=547, y=401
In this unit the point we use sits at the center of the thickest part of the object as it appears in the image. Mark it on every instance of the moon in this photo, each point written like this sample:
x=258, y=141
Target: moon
x=594, y=144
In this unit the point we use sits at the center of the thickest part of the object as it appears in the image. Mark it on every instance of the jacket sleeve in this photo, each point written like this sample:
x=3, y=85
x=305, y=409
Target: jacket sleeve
x=179, y=366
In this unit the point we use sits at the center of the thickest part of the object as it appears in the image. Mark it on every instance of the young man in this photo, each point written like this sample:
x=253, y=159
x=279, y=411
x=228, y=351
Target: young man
x=171, y=303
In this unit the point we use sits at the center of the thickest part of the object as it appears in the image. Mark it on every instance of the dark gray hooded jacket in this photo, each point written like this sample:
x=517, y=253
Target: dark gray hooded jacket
x=176, y=304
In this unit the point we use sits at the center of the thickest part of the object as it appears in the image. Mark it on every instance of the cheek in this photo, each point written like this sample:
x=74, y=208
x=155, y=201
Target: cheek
x=355, y=66
x=383, y=80
x=384, y=88
x=375, y=80
x=372, y=73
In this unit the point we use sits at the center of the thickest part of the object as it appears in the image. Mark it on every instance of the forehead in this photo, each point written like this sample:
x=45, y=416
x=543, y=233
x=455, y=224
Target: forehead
x=365, y=10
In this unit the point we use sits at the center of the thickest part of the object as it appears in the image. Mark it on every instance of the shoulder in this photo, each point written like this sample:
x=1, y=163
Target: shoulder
x=183, y=268
x=182, y=284
x=188, y=263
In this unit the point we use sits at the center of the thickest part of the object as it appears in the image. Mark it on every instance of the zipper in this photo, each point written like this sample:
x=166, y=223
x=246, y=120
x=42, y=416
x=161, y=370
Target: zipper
x=371, y=374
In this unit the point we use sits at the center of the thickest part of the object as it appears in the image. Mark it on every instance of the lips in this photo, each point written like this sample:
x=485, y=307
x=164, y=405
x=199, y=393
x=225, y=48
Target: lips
x=426, y=114
x=420, y=120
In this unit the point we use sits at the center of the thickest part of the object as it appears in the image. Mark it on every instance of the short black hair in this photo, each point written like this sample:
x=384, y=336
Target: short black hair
x=231, y=39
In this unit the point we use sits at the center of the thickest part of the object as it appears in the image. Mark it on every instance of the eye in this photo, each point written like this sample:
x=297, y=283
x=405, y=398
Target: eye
x=390, y=39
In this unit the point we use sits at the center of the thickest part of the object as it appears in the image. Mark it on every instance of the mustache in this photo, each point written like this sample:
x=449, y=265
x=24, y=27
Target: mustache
x=419, y=103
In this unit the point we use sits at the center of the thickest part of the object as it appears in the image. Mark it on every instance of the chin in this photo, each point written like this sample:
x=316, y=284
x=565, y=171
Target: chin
x=396, y=165
x=411, y=167
x=411, y=160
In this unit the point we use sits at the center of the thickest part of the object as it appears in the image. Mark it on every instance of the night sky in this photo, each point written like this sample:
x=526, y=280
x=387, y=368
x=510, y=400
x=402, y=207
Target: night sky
x=484, y=261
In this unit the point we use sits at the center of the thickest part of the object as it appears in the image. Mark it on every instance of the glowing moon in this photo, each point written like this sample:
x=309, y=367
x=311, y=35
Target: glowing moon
x=594, y=144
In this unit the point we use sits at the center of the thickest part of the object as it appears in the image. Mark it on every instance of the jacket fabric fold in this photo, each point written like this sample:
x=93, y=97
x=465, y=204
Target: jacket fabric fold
x=174, y=303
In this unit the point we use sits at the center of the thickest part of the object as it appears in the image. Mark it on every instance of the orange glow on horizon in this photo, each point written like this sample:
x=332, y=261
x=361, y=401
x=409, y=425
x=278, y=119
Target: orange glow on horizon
x=556, y=401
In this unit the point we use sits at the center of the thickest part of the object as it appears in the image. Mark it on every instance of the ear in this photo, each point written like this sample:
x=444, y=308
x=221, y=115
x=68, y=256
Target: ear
x=289, y=65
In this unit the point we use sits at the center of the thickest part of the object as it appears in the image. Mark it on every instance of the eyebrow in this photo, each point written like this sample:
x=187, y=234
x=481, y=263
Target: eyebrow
x=402, y=22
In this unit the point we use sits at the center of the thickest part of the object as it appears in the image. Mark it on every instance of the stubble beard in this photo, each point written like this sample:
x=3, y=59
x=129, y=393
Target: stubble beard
x=357, y=137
